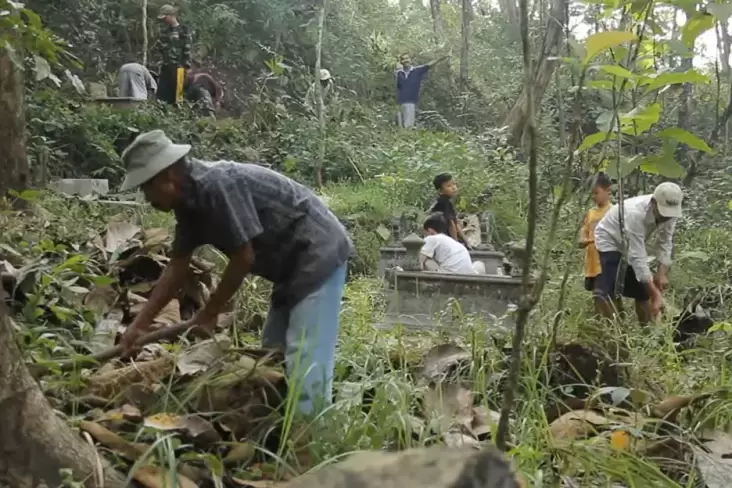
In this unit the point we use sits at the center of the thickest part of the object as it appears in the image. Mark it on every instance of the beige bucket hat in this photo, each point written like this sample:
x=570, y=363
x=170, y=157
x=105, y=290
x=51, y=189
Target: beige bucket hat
x=149, y=154
x=324, y=75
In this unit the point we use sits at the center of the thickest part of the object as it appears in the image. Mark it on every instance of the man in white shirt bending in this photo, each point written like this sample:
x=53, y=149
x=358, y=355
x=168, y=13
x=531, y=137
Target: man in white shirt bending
x=642, y=216
x=442, y=253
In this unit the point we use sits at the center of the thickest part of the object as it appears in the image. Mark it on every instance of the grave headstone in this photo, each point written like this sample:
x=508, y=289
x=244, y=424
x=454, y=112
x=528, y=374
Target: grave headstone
x=396, y=233
x=486, y=229
x=412, y=243
x=82, y=187
x=97, y=90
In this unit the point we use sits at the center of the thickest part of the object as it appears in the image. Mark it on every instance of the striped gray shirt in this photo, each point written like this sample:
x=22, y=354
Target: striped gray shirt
x=297, y=240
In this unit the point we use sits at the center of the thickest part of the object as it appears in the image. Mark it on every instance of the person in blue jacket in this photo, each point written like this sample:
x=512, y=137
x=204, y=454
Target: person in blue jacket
x=408, y=83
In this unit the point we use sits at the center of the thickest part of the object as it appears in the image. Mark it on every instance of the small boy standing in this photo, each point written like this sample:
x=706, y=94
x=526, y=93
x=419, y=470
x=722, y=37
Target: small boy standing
x=447, y=189
x=443, y=254
x=601, y=197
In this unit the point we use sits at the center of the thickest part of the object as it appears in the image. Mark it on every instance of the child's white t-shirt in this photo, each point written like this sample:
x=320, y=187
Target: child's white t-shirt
x=449, y=254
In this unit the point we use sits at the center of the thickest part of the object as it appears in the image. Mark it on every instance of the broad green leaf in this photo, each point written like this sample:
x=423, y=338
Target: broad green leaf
x=640, y=119
x=697, y=24
x=721, y=11
x=597, y=43
x=678, y=47
x=101, y=280
x=619, y=54
x=686, y=137
x=42, y=68
x=618, y=71
x=663, y=165
x=594, y=139
x=577, y=49
x=653, y=82
x=606, y=121
x=729, y=205
x=601, y=84
x=627, y=165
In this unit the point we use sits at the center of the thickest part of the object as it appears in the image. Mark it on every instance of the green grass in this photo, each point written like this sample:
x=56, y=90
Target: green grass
x=366, y=355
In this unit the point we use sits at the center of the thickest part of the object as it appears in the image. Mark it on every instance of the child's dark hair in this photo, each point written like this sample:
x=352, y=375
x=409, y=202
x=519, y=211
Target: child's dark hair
x=603, y=181
x=441, y=179
x=436, y=222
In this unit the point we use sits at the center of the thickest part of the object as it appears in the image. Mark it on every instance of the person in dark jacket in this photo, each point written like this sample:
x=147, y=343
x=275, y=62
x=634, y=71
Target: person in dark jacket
x=408, y=84
x=175, y=50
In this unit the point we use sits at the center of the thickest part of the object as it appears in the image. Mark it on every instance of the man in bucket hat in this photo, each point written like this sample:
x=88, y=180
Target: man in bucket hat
x=642, y=216
x=327, y=84
x=267, y=225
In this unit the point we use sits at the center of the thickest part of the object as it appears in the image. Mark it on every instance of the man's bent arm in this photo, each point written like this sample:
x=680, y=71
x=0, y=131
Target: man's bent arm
x=665, y=243
x=171, y=280
x=240, y=264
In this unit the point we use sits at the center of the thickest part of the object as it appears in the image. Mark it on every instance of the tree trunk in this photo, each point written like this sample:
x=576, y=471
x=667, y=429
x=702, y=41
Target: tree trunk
x=725, y=43
x=13, y=158
x=438, y=23
x=517, y=117
x=510, y=10
x=144, y=33
x=35, y=444
x=465, y=37
x=319, y=93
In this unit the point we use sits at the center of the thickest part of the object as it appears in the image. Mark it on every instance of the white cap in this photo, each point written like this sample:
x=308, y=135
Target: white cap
x=324, y=75
x=668, y=198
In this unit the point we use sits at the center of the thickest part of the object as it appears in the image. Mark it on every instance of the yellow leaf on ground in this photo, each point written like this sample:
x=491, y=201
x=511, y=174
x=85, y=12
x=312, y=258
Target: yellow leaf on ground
x=164, y=421
x=620, y=439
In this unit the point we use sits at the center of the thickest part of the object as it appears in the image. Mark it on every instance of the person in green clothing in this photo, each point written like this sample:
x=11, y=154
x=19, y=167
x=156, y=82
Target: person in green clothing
x=175, y=50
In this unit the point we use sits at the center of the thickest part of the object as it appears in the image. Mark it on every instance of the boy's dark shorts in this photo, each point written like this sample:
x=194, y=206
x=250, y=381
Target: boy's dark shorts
x=605, y=282
x=590, y=283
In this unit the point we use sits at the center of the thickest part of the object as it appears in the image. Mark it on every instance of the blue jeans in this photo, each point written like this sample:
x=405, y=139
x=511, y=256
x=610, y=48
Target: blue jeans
x=308, y=333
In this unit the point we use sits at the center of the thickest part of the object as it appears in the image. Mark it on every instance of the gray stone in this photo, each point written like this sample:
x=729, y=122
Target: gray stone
x=82, y=187
x=97, y=90
x=424, y=299
x=412, y=245
x=433, y=467
x=487, y=222
x=119, y=102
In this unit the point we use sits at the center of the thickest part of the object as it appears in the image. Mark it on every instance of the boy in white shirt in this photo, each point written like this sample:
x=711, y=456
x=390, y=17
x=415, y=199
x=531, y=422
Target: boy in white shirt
x=441, y=252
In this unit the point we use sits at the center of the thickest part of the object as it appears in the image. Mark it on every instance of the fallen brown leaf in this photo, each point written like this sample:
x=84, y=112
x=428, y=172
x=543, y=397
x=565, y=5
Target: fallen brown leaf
x=118, y=233
x=197, y=428
x=170, y=314
x=112, y=383
x=126, y=412
x=112, y=441
x=156, y=477
x=577, y=424
x=257, y=484
x=448, y=404
x=155, y=237
x=669, y=407
x=202, y=355
x=101, y=299
x=240, y=452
